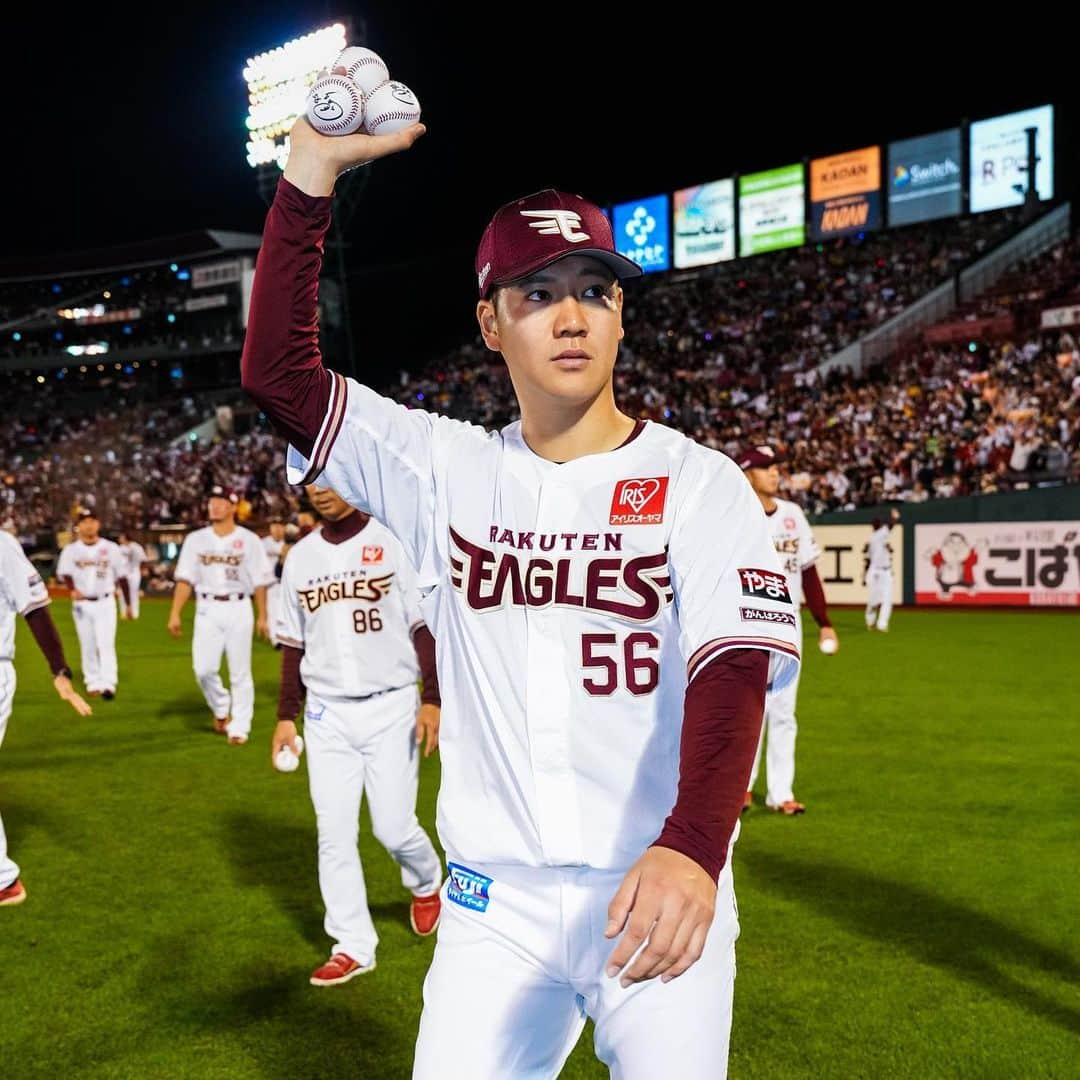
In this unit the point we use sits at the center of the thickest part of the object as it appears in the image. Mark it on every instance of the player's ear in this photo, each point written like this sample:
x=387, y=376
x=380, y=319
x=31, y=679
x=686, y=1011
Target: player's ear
x=619, y=307
x=489, y=324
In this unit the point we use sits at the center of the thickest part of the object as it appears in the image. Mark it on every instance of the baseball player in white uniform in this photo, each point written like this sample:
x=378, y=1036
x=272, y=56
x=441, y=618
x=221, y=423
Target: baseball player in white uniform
x=352, y=634
x=879, y=573
x=135, y=558
x=274, y=546
x=798, y=550
x=602, y=592
x=223, y=564
x=94, y=568
x=22, y=592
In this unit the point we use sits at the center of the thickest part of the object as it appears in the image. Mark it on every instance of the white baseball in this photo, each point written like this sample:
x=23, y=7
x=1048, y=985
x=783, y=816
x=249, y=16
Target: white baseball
x=366, y=68
x=390, y=108
x=285, y=760
x=335, y=105
x=828, y=645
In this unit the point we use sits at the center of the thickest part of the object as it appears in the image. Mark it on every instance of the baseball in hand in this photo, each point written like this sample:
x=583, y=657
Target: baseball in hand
x=828, y=645
x=335, y=105
x=366, y=68
x=390, y=108
x=285, y=760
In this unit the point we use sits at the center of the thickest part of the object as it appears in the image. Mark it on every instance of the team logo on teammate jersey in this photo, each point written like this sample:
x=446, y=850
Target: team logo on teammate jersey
x=639, y=501
x=789, y=523
x=764, y=584
x=756, y=614
x=371, y=553
x=467, y=888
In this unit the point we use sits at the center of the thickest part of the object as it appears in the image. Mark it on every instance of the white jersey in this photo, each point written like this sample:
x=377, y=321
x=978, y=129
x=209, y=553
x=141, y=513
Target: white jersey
x=272, y=548
x=223, y=565
x=353, y=608
x=21, y=591
x=879, y=550
x=134, y=555
x=795, y=544
x=570, y=604
x=93, y=568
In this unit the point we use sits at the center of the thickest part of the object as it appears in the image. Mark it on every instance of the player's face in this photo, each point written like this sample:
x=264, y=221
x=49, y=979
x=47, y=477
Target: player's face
x=87, y=530
x=219, y=509
x=764, y=481
x=558, y=330
x=277, y=530
x=329, y=504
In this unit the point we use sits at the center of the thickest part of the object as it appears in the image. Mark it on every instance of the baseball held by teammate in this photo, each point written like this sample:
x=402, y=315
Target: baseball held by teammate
x=94, y=568
x=878, y=573
x=798, y=551
x=22, y=592
x=224, y=565
x=353, y=636
x=604, y=597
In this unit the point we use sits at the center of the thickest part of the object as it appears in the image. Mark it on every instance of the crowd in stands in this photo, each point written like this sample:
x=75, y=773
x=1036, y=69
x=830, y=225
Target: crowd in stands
x=729, y=357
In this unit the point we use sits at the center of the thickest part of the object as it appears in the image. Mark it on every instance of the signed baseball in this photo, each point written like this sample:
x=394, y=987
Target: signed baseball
x=366, y=68
x=828, y=645
x=335, y=105
x=285, y=760
x=390, y=108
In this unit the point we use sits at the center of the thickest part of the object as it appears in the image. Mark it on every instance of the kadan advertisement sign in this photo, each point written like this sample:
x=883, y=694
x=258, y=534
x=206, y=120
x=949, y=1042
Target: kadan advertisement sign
x=641, y=232
x=842, y=563
x=772, y=210
x=845, y=193
x=925, y=178
x=1029, y=563
x=999, y=152
x=704, y=224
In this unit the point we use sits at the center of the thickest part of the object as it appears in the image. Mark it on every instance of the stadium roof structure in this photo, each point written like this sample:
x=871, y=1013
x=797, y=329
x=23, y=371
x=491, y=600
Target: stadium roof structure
x=204, y=243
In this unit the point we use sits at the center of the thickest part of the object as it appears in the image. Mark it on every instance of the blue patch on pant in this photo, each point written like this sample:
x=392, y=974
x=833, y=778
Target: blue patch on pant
x=467, y=888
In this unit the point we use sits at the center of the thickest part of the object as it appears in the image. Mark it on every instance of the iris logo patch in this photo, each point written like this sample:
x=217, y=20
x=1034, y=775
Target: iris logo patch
x=639, y=501
x=467, y=888
x=372, y=553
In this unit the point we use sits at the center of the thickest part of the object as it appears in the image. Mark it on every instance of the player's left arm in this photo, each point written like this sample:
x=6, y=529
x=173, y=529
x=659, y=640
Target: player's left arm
x=813, y=590
x=262, y=573
x=291, y=691
x=120, y=577
x=734, y=610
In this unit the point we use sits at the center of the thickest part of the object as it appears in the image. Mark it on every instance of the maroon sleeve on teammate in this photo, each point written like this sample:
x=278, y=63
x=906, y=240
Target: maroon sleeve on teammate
x=291, y=693
x=44, y=630
x=424, y=644
x=722, y=719
x=814, y=592
x=281, y=367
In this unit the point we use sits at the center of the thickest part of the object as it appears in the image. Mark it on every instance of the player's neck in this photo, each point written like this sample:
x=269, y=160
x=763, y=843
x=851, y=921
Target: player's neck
x=768, y=503
x=222, y=528
x=560, y=432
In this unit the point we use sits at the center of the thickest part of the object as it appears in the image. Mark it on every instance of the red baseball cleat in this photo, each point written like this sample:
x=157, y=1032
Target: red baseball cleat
x=748, y=801
x=790, y=808
x=13, y=894
x=237, y=740
x=220, y=724
x=424, y=912
x=340, y=968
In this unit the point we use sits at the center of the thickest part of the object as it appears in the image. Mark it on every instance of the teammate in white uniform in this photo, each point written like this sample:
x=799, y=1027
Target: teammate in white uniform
x=353, y=635
x=274, y=546
x=135, y=558
x=224, y=564
x=94, y=568
x=594, y=587
x=22, y=592
x=878, y=576
x=798, y=550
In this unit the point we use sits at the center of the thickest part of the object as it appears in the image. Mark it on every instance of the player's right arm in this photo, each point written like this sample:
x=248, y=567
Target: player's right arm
x=366, y=447
x=291, y=691
x=184, y=579
x=65, y=572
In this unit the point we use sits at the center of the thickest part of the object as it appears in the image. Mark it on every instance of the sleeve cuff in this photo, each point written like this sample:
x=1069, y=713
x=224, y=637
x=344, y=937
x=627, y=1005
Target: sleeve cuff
x=301, y=470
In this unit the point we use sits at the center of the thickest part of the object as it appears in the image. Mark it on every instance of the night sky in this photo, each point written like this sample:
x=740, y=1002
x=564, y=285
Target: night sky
x=129, y=125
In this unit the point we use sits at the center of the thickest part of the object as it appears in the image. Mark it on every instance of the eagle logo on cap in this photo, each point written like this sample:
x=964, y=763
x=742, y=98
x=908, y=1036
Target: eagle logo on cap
x=563, y=222
x=766, y=450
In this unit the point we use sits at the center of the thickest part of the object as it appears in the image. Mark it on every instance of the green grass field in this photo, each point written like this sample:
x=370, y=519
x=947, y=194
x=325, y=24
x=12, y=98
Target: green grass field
x=921, y=920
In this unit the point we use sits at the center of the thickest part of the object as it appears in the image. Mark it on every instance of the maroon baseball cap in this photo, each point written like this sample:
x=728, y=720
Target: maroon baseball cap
x=219, y=491
x=759, y=457
x=530, y=233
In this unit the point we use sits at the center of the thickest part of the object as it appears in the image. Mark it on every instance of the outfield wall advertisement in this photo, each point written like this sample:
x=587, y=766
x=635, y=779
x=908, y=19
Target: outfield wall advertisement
x=772, y=210
x=843, y=562
x=641, y=231
x=924, y=177
x=999, y=158
x=845, y=193
x=704, y=227
x=1027, y=563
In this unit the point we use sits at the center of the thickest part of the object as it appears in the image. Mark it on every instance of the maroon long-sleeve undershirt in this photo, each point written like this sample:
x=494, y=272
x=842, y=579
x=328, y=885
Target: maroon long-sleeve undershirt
x=814, y=592
x=291, y=691
x=44, y=630
x=724, y=708
x=281, y=367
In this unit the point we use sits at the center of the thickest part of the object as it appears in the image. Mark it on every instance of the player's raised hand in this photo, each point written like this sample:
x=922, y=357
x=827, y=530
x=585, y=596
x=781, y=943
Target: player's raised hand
x=427, y=728
x=666, y=901
x=284, y=735
x=69, y=694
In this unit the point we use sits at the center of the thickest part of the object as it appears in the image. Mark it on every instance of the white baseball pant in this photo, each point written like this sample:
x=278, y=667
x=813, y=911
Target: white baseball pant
x=134, y=582
x=778, y=731
x=95, y=623
x=355, y=746
x=273, y=610
x=225, y=626
x=879, y=601
x=9, y=870
x=510, y=985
